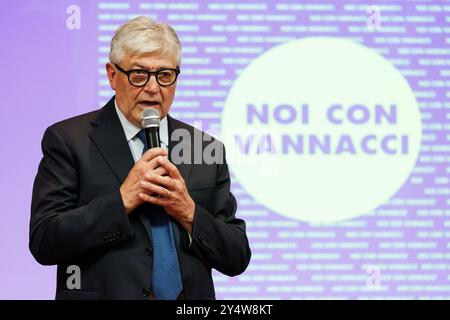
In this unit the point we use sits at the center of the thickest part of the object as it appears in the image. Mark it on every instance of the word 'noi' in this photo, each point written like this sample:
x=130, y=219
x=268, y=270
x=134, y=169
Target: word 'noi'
x=337, y=114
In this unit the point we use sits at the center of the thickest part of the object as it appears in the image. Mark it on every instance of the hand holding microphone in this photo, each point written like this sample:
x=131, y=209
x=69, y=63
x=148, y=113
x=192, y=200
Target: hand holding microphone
x=147, y=165
x=168, y=191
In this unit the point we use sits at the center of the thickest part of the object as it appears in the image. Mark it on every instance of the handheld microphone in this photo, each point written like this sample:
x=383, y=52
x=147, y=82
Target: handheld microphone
x=150, y=123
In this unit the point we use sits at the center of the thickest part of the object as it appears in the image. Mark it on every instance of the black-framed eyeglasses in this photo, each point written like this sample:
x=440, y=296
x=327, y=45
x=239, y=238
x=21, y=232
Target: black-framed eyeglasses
x=139, y=77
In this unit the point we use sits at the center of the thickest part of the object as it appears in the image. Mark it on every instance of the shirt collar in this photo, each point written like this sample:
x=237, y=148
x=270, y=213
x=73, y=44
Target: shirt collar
x=131, y=130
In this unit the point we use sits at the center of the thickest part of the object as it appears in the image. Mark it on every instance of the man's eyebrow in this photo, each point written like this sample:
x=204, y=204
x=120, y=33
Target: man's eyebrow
x=137, y=65
x=140, y=66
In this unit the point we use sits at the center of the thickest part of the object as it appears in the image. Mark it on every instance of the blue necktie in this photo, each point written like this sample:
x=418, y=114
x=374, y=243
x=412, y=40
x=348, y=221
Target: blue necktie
x=166, y=278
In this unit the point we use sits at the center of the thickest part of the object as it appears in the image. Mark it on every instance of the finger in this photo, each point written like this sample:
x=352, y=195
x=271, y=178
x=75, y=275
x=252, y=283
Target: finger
x=153, y=164
x=170, y=167
x=154, y=189
x=153, y=153
x=160, y=171
x=155, y=200
x=165, y=181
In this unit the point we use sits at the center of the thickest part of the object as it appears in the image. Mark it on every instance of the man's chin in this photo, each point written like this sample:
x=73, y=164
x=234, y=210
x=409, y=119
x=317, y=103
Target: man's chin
x=142, y=106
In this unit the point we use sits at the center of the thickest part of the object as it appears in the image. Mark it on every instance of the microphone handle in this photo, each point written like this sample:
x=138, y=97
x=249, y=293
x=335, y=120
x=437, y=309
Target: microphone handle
x=152, y=136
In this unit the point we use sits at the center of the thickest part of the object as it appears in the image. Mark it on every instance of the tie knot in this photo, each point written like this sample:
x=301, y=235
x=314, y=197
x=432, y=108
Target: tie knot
x=141, y=136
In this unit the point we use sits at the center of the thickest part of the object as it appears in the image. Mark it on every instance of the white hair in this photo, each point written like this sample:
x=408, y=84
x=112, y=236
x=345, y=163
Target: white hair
x=143, y=35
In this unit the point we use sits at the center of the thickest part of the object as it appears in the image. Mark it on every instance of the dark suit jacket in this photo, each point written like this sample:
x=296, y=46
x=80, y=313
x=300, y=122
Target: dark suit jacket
x=78, y=217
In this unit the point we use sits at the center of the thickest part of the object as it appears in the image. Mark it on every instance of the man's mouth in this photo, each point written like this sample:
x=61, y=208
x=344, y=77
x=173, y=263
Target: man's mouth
x=149, y=103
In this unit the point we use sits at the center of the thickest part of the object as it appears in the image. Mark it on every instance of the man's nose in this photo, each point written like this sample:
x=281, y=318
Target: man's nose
x=152, y=85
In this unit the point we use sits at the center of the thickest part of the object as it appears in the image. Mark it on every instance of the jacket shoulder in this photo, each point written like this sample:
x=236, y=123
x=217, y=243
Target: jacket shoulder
x=75, y=123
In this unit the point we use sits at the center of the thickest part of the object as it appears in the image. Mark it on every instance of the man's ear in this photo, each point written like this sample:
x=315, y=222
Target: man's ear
x=112, y=75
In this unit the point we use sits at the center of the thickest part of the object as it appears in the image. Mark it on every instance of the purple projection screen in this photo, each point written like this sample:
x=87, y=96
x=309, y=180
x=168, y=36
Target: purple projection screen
x=342, y=105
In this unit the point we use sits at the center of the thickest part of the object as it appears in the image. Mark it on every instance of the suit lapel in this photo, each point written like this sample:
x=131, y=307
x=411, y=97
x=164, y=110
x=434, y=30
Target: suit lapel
x=108, y=135
x=185, y=169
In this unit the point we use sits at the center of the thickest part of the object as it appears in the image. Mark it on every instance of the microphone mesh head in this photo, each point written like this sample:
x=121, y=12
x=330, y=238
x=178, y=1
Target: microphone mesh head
x=150, y=118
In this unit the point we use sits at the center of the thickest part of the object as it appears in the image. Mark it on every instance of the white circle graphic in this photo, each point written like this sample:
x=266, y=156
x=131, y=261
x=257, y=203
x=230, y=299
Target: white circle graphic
x=321, y=129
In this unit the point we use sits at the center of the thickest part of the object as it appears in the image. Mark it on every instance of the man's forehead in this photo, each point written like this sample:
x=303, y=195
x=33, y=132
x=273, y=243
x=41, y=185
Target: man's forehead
x=150, y=60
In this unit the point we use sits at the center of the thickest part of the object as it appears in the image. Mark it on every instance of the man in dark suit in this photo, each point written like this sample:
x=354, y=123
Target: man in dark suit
x=135, y=225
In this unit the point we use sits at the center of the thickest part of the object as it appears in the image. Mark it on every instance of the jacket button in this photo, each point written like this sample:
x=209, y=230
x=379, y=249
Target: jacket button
x=148, y=251
x=145, y=292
